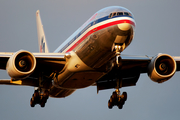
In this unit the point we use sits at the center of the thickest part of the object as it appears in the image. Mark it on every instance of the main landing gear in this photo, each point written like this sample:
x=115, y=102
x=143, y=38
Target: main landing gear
x=117, y=99
x=41, y=93
x=39, y=97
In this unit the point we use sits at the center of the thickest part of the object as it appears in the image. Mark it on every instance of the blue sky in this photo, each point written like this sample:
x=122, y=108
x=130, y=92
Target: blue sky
x=157, y=31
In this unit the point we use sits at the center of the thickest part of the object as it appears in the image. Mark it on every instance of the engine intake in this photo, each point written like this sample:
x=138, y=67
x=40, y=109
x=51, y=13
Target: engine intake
x=161, y=68
x=21, y=64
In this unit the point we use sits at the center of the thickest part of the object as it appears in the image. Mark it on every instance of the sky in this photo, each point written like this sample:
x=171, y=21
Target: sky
x=157, y=31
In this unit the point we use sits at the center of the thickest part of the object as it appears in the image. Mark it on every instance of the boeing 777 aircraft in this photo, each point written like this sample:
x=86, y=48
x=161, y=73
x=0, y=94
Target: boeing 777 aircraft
x=92, y=56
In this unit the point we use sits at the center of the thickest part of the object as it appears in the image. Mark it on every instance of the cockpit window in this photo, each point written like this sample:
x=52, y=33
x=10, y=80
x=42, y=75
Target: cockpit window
x=130, y=14
x=119, y=14
x=110, y=15
x=126, y=13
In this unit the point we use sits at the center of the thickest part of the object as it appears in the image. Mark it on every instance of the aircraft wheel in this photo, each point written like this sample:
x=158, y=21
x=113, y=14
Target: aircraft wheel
x=36, y=94
x=120, y=106
x=124, y=96
x=43, y=104
x=32, y=104
x=46, y=94
x=111, y=99
x=121, y=103
x=114, y=95
x=44, y=100
x=110, y=105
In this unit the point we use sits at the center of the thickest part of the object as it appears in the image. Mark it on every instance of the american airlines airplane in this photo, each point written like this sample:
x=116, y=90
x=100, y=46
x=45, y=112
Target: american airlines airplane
x=91, y=56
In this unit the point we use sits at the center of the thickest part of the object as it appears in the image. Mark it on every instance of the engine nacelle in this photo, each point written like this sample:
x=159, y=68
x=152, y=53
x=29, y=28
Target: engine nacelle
x=21, y=64
x=161, y=68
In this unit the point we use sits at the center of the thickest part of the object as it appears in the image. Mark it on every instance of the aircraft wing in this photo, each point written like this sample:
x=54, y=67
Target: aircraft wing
x=48, y=57
x=130, y=61
x=4, y=56
x=131, y=68
x=177, y=59
x=51, y=61
x=47, y=62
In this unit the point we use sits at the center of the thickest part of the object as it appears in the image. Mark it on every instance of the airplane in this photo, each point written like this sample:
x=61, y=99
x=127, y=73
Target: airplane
x=91, y=56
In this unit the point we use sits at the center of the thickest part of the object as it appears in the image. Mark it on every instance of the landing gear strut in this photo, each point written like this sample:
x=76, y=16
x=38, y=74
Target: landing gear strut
x=41, y=93
x=39, y=97
x=118, y=49
x=117, y=99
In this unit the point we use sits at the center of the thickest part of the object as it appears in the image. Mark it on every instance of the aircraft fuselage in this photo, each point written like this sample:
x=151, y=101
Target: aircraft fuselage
x=91, y=48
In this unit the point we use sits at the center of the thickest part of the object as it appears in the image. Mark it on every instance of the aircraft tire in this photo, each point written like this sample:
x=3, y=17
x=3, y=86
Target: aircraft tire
x=110, y=105
x=42, y=104
x=125, y=96
x=46, y=95
x=121, y=103
x=32, y=104
x=36, y=94
x=114, y=95
x=120, y=106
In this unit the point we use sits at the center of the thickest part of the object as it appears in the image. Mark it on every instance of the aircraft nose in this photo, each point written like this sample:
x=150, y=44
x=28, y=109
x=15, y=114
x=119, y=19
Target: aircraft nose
x=124, y=26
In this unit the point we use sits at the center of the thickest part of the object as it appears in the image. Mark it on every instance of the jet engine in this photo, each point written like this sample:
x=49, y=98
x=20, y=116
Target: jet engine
x=161, y=68
x=21, y=64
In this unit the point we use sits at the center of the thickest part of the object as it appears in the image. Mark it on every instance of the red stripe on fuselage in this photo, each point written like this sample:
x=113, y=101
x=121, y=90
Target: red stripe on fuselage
x=99, y=28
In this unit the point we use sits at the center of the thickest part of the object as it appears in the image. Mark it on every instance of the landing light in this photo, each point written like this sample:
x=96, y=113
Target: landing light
x=124, y=26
